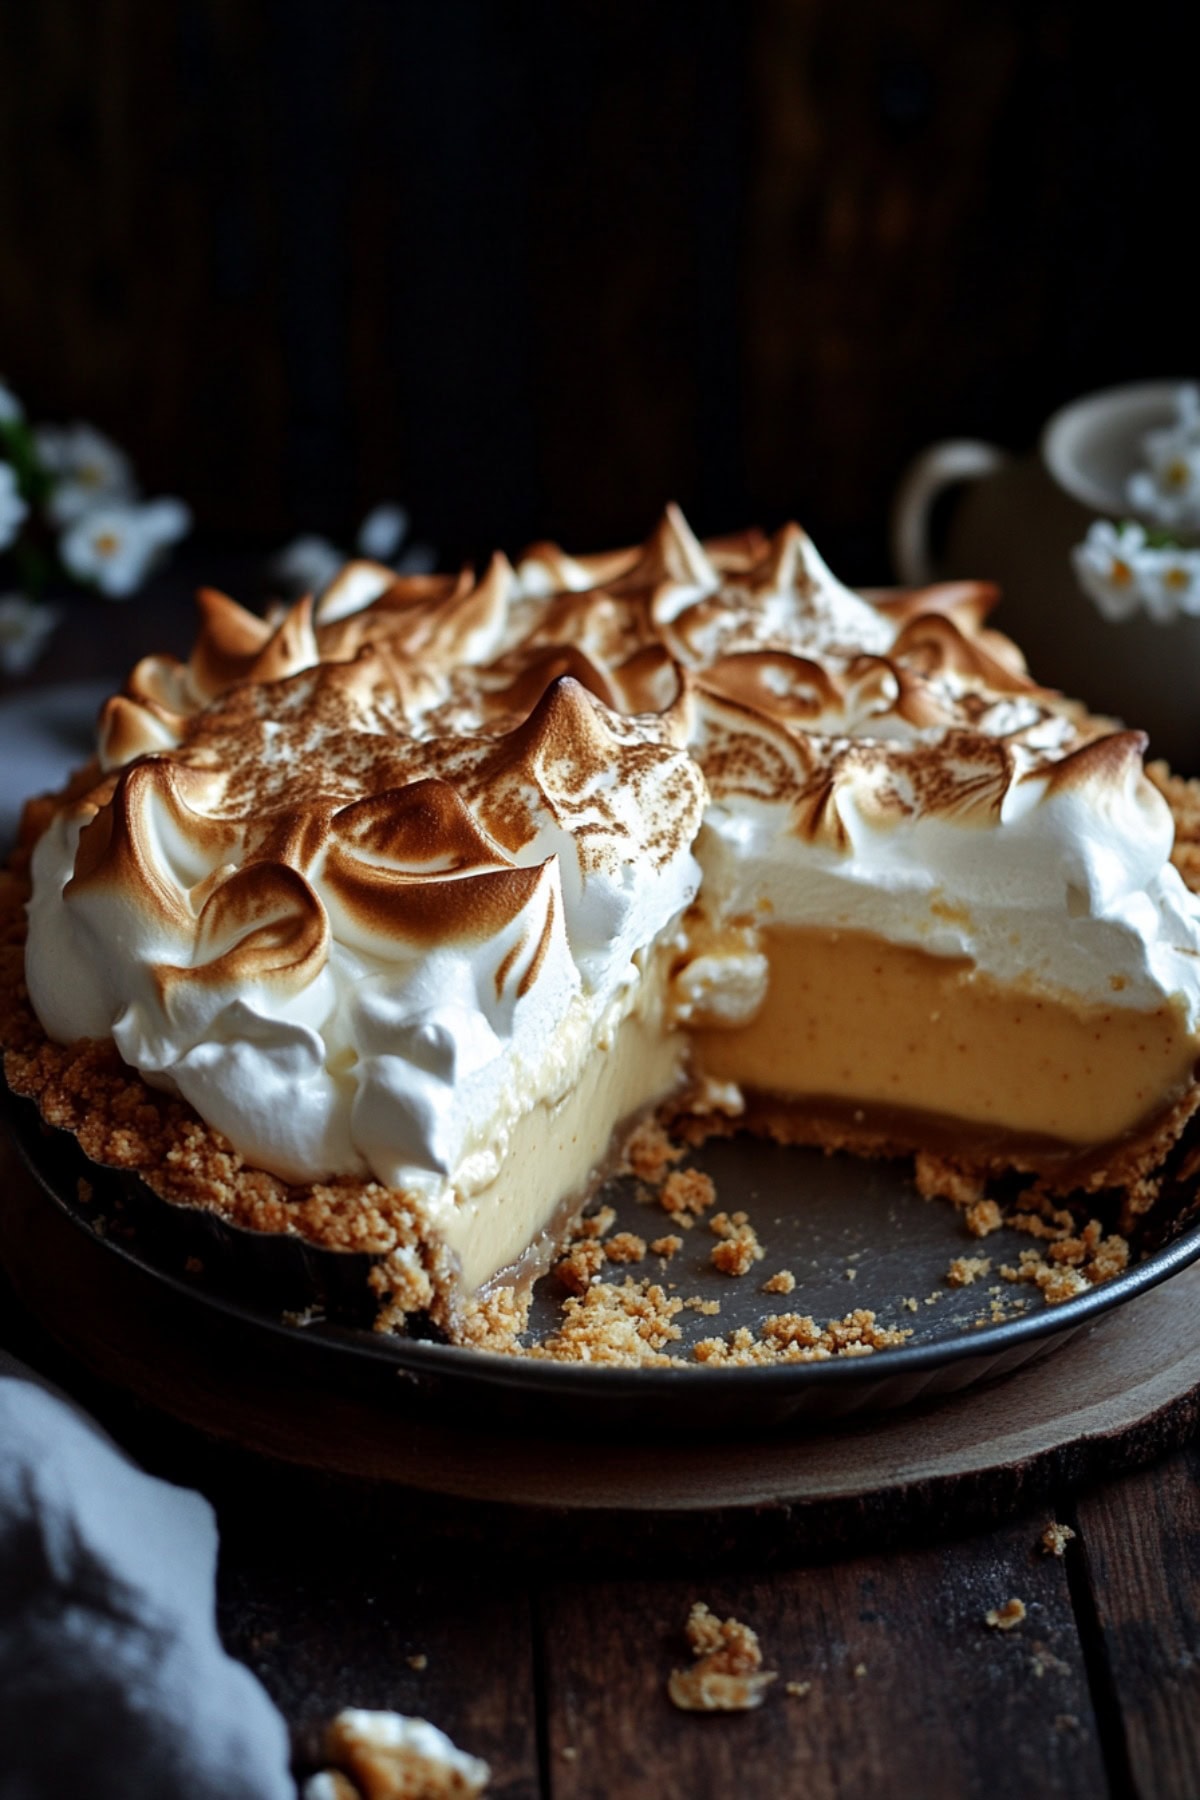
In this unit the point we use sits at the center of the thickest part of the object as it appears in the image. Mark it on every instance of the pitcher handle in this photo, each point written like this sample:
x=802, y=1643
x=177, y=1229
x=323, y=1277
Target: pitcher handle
x=927, y=476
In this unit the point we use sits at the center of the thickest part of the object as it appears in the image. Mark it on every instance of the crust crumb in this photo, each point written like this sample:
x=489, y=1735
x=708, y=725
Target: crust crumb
x=599, y=1223
x=625, y=1247
x=1006, y=1617
x=967, y=1269
x=782, y=1282
x=739, y=1248
x=667, y=1246
x=1055, y=1538
x=728, y=1675
x=941, y=1176
x=630, y=1324
x=799, y=1690
x=495, y=1321
x=1075, y=1259
x=687, y=1193
x=650, y=1153
x=389, y=1757
x=983, y=1217
x=796, y=1337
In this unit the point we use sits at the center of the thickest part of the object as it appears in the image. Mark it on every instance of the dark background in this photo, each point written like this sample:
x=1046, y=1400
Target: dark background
x=535, y=268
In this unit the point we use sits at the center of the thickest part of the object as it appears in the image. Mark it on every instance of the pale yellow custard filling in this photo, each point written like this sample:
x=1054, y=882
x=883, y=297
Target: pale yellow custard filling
x=848, y=1016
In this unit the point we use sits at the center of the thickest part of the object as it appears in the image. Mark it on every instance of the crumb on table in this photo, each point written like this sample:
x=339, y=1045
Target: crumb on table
x=1006, y=1617
x=727, y=1675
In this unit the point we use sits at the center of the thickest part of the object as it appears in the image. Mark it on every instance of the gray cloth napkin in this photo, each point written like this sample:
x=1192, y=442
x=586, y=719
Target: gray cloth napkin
x=113, y=1682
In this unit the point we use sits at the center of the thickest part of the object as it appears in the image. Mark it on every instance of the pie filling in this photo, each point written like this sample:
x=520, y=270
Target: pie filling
x=553, y=1155
x=849, y=1017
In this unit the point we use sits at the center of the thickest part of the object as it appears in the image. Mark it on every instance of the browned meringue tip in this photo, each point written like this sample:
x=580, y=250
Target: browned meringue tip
x=419, y=827
x=968, y=603
x=262, y=923
x=1115, y=760
x=671, y=554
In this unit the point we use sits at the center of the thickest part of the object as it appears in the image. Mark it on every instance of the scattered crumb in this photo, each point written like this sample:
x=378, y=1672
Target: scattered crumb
x=1004, y=1618
x=799, y=1690
x=687, y=1193
x=860, y=1670
x=581, y=1264
x=850, y=1274
x=568, y=1753
x=302, y=1316
x=390, y=1757
x=739, y=1248
x=1066, y=1722
x=667, y=1246
x=625, y=1247
x=496, y=1320
x=85, y=1191
x=940, y=1176
x=418, y=1662
x=983, y=1217
x=782, y=1282
x=967, y=1269
x=1075, y=1259
x=649, y=1154
x=599, y=1223
x=1055, y=1539
x=727, y=1675
x=1044, y=1658
x=697, y=1303
x=630, y=1324
x=796, y=1337
x=910, y=1305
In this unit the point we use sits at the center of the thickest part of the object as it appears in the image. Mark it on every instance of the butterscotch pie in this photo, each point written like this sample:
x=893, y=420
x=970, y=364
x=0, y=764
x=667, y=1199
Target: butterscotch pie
x=382, y=922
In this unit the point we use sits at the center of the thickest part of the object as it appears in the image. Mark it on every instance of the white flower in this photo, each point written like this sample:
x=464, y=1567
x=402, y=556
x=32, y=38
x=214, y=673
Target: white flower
x=1167, y=489
x=115, y=546
x=1169, y=583
x=1105, y=567
x=383, y=531
x=11, y=410
x=12, y=507
x=24, y=629
x=88, y=469
x=307, y=565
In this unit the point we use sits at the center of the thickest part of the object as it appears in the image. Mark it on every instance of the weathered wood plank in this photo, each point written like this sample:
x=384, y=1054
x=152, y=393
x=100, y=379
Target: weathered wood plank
x=1141, y=1557
x=912, y=1693
x=348, y=1625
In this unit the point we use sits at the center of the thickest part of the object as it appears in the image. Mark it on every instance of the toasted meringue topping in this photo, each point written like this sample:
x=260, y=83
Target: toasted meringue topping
x=359, y=876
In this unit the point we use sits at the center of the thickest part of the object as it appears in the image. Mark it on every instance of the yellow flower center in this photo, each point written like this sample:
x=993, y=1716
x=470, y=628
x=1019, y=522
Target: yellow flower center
x=105, y=543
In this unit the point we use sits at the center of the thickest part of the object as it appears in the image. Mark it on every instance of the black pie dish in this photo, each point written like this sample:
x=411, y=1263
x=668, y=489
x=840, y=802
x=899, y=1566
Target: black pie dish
x=310, y=1307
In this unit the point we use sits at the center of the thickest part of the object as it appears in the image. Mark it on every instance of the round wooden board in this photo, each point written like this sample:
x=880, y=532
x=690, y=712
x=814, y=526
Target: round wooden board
x=1111, y=1397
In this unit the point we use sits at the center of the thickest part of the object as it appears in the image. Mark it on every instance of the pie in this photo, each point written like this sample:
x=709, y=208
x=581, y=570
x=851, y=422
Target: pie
x=382, y=921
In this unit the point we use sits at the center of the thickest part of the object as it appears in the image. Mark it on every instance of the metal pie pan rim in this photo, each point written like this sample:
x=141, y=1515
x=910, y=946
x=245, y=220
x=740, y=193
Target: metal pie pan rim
x=418, y=1357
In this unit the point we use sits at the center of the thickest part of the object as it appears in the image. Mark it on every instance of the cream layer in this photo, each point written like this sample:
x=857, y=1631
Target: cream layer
x=849, y=1016
x=555, y=1150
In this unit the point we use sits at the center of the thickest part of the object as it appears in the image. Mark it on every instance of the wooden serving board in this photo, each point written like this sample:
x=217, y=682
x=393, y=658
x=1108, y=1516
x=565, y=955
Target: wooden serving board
x=1115, y=1395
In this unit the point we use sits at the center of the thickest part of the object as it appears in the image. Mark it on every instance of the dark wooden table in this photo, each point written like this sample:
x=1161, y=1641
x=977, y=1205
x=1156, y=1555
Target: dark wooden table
x=555, y=1669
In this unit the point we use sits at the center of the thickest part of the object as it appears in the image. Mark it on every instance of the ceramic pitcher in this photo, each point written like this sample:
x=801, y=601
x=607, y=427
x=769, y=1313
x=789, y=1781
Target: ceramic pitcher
x=1015, y=519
